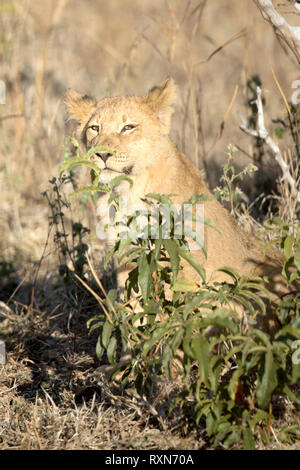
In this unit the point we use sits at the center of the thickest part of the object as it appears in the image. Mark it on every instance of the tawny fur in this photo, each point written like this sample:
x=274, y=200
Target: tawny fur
x=157, y=166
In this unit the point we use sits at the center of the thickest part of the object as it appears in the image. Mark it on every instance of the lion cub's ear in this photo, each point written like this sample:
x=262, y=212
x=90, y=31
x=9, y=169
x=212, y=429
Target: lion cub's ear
x=161, y=98
x=80, y=106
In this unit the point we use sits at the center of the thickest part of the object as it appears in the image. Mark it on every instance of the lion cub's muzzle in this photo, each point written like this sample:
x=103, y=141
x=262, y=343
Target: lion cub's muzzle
x=118, y=164
x=104, y=155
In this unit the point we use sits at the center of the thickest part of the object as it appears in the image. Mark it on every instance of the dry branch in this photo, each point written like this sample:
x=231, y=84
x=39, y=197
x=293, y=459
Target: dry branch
x=263, y=134
x=291, y=34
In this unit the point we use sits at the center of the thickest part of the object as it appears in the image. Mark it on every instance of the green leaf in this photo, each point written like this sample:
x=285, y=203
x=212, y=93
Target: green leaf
x=185, y=254
x=95, y=178
x=95, y=326
x=233, y=438
x=110, y=255
x=173, y=251
x=196, y=302
x=201, y=348
x=248, y=439
x=106, y=333
x=186, y=344
x=245, y=303
x=122, y=249
x=87, y=189
x=156, y=336
x=287, y=331
x=111, y=350
x=263, y=337
x=257, y=286
x=231, y=272
x=260, y=415
x=161, y=198
x=293, y=276
x=199, y=198
x=295, y=367
x=128, y=254
x=78, y=161
x=184, y=285
x=233, y=381
x=219, y=318
x=297, y=257
x=157, y=244
x=96, y=318
x=268, y=381
x=256, y=299
x=290, y=434
x=279, y=132
x=167, y=360
x=117, y=180
x=291, y=395
x=288, y=246
x=99, y=348
x=177, y=339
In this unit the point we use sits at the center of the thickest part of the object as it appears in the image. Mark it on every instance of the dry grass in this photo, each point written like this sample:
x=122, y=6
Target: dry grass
x=51, y=395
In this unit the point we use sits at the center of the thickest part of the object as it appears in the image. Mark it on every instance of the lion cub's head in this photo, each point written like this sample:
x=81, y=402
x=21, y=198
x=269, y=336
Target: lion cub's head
x=133, y=129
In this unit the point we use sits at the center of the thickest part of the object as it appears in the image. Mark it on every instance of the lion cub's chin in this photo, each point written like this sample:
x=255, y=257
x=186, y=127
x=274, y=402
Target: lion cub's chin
x=122, y=188
x=108, y=175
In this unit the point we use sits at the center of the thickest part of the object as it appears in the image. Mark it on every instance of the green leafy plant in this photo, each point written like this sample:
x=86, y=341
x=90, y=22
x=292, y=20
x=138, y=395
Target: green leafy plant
x=229, y=191
x=173, y=327
x=229, y=368
x=71, y=241
x=86, y=160
x=71, y=249
x=287, y=236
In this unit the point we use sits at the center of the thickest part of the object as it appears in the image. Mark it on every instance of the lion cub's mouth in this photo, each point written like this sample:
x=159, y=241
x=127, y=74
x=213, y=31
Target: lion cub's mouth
x=127, y=170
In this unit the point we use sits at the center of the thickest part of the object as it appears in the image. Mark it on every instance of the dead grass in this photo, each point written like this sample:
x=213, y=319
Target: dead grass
x=51, y=394
x=53, y=397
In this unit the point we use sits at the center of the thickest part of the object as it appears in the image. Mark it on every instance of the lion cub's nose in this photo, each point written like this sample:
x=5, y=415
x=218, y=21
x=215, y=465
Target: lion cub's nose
x=104, y=156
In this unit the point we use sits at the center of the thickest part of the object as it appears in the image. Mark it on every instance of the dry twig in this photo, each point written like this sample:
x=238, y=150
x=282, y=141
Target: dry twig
x=290, y=34
x=263, y=134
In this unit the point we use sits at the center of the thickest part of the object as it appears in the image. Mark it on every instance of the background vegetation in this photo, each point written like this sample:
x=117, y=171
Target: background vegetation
x=52, y=392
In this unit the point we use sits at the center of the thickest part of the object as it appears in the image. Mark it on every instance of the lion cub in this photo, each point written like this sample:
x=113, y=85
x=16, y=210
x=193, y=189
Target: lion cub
x=136, y=129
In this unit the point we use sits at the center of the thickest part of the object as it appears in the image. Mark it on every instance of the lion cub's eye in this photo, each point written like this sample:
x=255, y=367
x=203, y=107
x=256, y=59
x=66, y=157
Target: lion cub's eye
x=95, y=128
x=128, y=127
